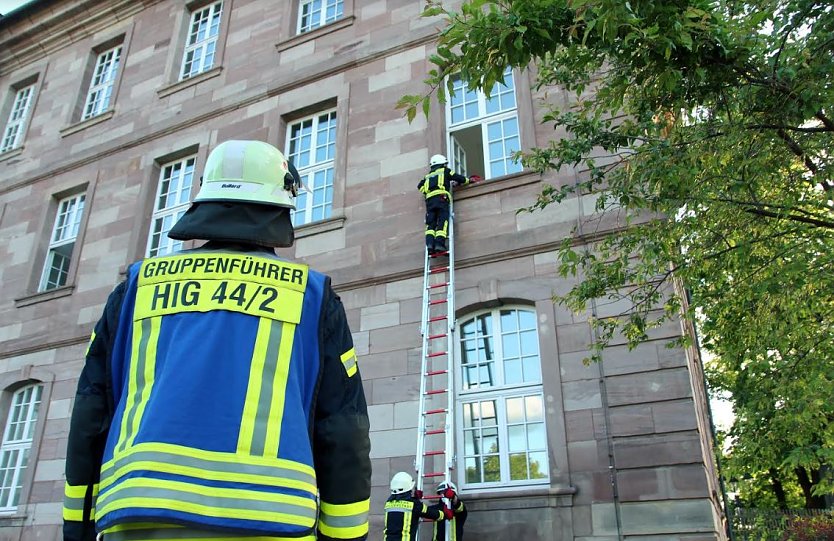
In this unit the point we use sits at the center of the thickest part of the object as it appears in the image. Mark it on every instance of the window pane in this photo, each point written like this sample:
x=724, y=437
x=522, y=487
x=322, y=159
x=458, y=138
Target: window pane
x=515, y=410
x=510, y=345
x=517, y=437
x=492, y=469
x=532, y=369
x=512, y=372
x=518, y=466
x=529, y=343
x=473, y=470
x=538, y=465
x=535, y=436
x=533, y=408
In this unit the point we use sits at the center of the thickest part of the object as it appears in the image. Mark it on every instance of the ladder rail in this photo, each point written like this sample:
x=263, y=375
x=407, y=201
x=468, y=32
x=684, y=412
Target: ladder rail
x=424, y=368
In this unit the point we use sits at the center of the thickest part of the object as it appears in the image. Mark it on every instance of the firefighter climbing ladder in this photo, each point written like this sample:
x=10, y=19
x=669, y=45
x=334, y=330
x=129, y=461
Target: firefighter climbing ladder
x=435, y=430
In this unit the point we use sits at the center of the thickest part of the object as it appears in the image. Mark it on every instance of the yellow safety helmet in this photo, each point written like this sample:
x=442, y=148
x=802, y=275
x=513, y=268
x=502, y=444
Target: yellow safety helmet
x=249, y=172
x=401, y=483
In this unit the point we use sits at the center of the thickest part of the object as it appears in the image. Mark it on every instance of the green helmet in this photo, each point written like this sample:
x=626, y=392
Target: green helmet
x=248, y=172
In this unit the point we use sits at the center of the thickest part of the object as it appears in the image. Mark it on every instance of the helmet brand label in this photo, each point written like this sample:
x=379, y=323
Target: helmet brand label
x=227, y=185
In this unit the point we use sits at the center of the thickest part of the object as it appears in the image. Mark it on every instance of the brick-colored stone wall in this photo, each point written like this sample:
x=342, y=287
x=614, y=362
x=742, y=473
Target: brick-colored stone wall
x=639, y=407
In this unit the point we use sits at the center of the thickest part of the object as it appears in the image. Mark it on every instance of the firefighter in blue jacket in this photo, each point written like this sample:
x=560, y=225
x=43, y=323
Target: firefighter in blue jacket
x=436, y=187
x=220, y=398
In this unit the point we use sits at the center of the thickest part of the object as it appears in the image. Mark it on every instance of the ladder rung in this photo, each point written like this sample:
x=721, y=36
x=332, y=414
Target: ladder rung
x=434, y=412
x=437, y=270
x=431, y=497
x=435, y=431
x=438, y=301
x=434, y=474
x=436, y=318
x=436, y=391
x=436, y=372
x=434, y=453
x=438, y=354
x=435, y=286
x=436, y=336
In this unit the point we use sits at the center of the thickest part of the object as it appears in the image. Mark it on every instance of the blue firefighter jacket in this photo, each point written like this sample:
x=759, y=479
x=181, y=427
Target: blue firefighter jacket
x=217, y=423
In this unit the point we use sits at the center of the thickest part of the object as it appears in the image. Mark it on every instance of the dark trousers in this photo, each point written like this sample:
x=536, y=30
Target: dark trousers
x=437, y=222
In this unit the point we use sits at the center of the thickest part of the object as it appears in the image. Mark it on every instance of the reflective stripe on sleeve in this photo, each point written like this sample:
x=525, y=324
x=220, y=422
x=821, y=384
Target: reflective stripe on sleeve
x=344, y=521
x=74, y=502
x=349, y=361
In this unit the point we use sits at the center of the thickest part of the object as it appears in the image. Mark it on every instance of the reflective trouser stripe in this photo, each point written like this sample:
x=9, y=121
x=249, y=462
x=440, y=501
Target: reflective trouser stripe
x=230, y=503
x=209, y=465
x=74, y=502
x=166, y=532
x=140, y=378
x=263, y=410
x=349, y=361
x=344, y=521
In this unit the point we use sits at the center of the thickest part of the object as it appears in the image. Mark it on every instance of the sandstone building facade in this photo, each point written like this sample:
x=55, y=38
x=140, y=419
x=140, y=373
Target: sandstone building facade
x=108, y=111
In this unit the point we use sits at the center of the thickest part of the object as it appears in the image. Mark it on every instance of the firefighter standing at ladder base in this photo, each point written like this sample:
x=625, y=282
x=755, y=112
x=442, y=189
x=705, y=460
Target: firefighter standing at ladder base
x=404, y=509
x=220, y=394
x=436, y=187
x=459, y=513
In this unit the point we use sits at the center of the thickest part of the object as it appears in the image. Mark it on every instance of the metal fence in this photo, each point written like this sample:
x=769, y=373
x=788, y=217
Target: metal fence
x=768, y=524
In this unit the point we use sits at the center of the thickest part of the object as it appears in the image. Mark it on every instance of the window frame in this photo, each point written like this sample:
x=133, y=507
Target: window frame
x=21, y=124
x=185, y=184
x=107, y=85
x=21, y=475
x=309, y=171
x=482, y=122
x=202, y=44
x=77, y=214
x=499, y=393
x=301, y=28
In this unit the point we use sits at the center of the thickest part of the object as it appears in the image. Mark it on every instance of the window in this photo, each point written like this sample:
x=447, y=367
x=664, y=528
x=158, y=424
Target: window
x=502, y=432
x=315, y=13
x=483, y=131
x=62, y=242
x=172, y=199
x=101, y=83
x=19, y=114
x=311, y=147
x=201, y=42
x=17, y=442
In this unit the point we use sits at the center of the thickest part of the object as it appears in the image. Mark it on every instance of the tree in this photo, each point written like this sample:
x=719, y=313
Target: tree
x=708, y=125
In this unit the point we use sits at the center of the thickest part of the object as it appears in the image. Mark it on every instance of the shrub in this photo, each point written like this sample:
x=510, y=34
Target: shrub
x=819, y=528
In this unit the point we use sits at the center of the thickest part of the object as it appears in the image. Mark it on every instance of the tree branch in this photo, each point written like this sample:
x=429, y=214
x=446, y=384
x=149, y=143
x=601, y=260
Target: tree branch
x=797, y=150
x=793, y=218
x=817, y=129
x=824, y=119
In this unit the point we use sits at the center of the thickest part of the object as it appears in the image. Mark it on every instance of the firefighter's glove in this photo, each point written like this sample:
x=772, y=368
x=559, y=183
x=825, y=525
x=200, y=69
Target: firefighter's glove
x=475, y=178
x=448, y=513
x=449, y=493
x=418, y=494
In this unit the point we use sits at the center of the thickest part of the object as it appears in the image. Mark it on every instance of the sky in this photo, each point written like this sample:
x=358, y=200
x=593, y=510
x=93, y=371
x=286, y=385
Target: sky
x=8, y=5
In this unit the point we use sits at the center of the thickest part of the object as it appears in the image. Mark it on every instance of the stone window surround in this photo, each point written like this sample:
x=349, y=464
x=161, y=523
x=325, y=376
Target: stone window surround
x=291, y=37
x=9, y=383
x=178, y=42
x=121, y=36
x=33, y=74
x=32, y=295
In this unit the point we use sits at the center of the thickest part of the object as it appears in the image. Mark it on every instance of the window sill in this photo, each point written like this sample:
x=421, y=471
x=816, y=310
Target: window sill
x=84, y=124
x=14, y=519
x=516, y=492
x=13, y=153
x=497, y=184
x=191, y=81
x=43, y=296
x=519, y=497
x=321, y=226
x=298, y=39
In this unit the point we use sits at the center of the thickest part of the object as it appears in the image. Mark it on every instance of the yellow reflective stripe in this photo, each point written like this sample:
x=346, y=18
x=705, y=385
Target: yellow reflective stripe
x=253, y=392
x=209, y=501
x=153, y=535
x=203, y=454
x=92, y=339
x=279, y=391
x=349, y=361
x=73, y=508
x=344, y=521
x=437, y=192
x=140, y=378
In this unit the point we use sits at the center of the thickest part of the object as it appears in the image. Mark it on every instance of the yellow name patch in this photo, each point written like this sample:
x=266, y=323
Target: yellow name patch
x=256, y=286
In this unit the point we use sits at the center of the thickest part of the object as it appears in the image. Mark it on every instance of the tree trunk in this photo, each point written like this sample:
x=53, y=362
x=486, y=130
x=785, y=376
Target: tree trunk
x=778, y=489
x=807, y=483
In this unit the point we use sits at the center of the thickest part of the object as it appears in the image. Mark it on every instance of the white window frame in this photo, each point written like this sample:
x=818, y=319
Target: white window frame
x=313, y=14
x=64, y=234
x=177, y=178
x=18, y=115
x=317, y=171
x=483, y=120
x=500, y=393
x=18, y=435
x=201, y=41
x=101, y=83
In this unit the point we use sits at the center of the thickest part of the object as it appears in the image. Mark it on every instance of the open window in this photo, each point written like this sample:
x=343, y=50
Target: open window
x=59, y=254
x=483, y=131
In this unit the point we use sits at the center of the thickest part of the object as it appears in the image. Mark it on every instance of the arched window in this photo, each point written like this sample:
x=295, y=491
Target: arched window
x=17, y=442
x=501, y=429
